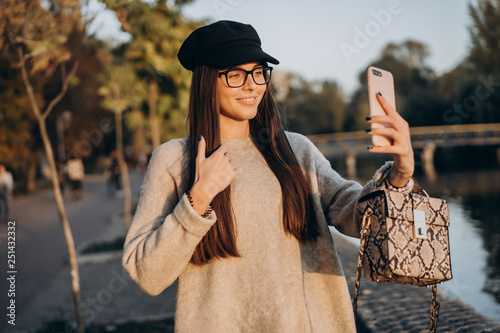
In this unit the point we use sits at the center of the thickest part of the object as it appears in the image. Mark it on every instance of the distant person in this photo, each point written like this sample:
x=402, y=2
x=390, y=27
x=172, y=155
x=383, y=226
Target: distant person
x=142, y=163
x=115, y=175
x=76, y=173
x=6, y=187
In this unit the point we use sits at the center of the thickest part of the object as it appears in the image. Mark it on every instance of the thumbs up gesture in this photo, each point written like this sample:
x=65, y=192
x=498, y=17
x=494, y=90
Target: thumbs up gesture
x=213, y=174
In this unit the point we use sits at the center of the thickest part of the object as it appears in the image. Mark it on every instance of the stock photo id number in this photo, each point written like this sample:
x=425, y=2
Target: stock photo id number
x=11, y=272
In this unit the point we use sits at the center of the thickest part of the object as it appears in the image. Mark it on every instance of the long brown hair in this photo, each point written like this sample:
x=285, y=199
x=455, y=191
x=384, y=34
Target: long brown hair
x=268, y=135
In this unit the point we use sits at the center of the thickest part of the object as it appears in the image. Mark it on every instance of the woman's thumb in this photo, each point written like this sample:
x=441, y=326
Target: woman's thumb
x=201, y=147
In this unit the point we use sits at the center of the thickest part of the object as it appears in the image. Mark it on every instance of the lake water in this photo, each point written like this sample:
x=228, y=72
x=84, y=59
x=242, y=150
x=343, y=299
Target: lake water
x=472, y=191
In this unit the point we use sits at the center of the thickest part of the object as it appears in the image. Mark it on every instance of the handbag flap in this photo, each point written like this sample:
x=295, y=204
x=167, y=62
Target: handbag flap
x=402, y=206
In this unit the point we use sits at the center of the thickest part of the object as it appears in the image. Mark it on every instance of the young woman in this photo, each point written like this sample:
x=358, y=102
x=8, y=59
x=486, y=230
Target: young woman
x=238, y=211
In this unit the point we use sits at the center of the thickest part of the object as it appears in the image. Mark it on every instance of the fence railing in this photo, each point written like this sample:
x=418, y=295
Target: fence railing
x=425, y=139
x=450, y=135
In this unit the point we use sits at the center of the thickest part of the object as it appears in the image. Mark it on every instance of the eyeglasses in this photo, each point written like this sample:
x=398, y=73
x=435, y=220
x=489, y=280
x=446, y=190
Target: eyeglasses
x=236, y=78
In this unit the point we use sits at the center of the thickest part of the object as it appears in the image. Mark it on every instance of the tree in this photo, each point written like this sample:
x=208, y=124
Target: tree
x=17, y=125
x=19, y=148
x=423, y=106
x=415, y=86
x=158, y=31
x=312, y=107
x=485, y=36
x=484, y=61
x=121, y=91
x=145, y=76
x=357, y=109
x=470, y=89
x=412, y=53
x=37, y=33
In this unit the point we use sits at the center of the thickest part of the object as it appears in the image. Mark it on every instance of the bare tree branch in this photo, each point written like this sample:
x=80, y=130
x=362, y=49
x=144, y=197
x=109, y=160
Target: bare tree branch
x=27, y=84
x=64, y=88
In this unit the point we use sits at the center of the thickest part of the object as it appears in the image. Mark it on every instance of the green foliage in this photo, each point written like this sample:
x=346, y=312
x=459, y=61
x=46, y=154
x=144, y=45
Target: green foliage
x=47, y=53
x=62, y=325
x=485, y=36
x=105, y=246
x=450, y=85
x=157, y=31
x=483, y=64
x=417, y=98
x=16, y=118
x=120, y=88
x=423, y=106
x=412, y=53
x=356, y=110
x=16, y=127
x=471, y=90
x=313, y=108
x=40, y=34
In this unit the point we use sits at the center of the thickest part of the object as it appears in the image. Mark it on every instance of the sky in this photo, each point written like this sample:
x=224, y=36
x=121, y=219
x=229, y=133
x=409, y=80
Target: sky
x=336, y=40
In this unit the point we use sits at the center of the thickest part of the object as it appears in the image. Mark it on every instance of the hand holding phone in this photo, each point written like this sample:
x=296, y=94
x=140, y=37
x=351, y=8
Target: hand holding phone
x=380, y=81
x=397, y=140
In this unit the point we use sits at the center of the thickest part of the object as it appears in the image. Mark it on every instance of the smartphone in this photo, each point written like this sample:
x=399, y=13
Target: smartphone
x=380, y=80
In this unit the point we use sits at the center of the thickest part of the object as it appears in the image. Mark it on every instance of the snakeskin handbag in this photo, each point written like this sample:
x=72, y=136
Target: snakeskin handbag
x=404, y=239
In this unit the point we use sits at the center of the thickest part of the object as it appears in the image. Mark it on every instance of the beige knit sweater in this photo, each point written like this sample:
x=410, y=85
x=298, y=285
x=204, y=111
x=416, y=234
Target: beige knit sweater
x=277, y=285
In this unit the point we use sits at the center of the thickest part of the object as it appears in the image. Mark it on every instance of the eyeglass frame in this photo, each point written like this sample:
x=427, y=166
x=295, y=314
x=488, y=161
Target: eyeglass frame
x=246, y=76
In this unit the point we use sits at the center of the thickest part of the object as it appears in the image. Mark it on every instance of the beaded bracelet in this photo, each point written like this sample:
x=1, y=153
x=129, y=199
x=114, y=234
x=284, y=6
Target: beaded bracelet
x=207, y=212
x=409, y=186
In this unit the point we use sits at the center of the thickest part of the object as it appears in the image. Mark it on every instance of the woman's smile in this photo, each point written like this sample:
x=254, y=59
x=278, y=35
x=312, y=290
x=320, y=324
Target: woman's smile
x=247, y=100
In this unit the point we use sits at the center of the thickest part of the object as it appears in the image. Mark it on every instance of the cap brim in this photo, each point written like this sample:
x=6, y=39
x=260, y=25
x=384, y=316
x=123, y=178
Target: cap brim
x=239, y=57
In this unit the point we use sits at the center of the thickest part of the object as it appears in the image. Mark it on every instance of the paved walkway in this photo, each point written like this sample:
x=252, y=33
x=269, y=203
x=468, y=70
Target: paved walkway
x=108, y=294
x=41, y=253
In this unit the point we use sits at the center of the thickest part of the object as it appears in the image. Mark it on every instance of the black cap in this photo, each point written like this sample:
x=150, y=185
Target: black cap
x=222, y=44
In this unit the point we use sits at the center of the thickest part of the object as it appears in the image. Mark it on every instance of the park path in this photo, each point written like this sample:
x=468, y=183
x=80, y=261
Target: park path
x=41, y=252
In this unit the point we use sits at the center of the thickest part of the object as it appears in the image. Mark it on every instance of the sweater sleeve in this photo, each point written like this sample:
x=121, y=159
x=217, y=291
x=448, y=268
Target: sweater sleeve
x=165, y=230
x=339, y=197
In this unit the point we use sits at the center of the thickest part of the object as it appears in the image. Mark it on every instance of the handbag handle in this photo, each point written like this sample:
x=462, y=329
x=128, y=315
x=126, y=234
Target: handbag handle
x=365, y=234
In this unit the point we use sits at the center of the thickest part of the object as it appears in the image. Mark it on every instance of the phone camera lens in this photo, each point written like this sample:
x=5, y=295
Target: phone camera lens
x=376, y=73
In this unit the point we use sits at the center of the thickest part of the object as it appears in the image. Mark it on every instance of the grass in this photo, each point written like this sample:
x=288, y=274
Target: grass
x=115, y=245
x=64, y=326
